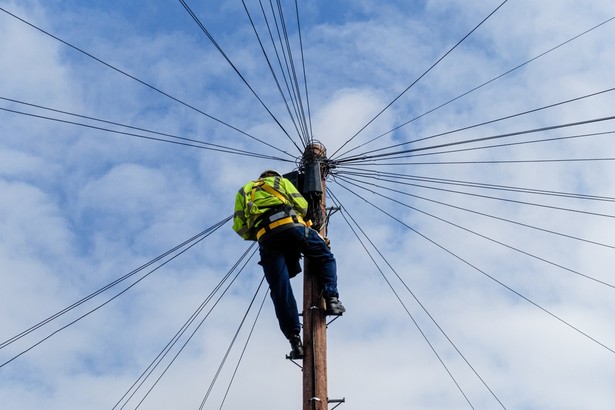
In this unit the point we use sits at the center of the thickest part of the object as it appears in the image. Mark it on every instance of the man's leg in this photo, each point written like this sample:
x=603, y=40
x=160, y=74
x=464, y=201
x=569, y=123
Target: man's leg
x=317, y=250
x=276, y=273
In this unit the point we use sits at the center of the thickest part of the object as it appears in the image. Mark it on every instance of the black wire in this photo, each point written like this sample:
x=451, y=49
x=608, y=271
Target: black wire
x=275, y=78
x=534, y=110
x=307, y=95
x=390, y=177
x=189, y=142
x=142, y=82
x=293, y=71
x=496, y=217
x=293, y=92
x=421, y=76
x=195, y=330
x=483, y=236
x=243, y=351
x=130, y=134
x=494, y=162
x=195, y=241
x=165, y=351
x=482, y=139
x=401, y=301
x=500, y=145
x=228, y=350
x=515, y=201
x=110, y=285
x=215, y=43
x=284, y=71
x=482, y=85
x=411, y=293
x=548, y=193
x=484, y=273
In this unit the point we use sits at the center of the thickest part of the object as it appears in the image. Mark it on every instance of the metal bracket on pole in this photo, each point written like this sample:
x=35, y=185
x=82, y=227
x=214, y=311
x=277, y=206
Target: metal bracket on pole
x=294, y=362
x=333, y=320
x=338, y=401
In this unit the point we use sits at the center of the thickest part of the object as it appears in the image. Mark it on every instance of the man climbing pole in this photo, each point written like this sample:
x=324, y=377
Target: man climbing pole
x=270, y=210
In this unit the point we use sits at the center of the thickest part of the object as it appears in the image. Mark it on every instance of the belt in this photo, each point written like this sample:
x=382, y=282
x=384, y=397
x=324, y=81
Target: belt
x=279, y=222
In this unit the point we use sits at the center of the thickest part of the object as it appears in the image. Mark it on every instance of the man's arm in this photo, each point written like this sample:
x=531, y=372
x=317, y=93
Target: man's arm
x=240, y=222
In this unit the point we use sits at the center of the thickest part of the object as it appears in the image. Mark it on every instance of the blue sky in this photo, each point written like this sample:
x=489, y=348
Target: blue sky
x=82, y=207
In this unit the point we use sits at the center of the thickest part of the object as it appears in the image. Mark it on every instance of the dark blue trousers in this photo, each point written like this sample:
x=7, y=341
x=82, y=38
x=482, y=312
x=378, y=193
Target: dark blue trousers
x=280, y=252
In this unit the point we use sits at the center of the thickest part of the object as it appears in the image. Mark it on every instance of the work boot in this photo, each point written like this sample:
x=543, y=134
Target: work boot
x=334, y=306
x=296, y=351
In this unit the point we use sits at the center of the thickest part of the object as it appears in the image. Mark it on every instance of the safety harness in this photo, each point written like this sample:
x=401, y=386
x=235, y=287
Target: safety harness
x=277, y=216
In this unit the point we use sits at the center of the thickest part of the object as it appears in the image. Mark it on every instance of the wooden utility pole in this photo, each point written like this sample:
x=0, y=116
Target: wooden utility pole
x=314, y=317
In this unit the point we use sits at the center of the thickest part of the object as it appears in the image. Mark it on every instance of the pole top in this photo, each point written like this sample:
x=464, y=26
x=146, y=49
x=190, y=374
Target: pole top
x=315, y=151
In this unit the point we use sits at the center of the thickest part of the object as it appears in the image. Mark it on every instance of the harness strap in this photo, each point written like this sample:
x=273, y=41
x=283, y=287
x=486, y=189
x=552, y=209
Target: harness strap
x=280, y=222
x=269, y=189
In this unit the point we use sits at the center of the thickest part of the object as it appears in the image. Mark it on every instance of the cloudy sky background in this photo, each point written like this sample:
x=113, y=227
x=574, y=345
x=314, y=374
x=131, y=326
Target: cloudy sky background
x=82, y=207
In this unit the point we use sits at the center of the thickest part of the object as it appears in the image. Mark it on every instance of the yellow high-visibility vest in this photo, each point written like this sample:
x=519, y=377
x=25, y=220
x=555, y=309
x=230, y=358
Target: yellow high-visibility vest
x=257, y=197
